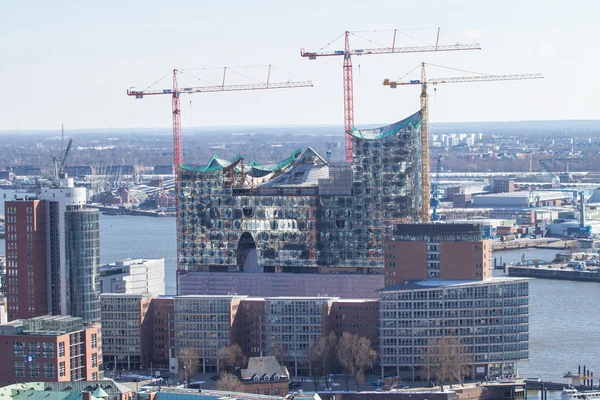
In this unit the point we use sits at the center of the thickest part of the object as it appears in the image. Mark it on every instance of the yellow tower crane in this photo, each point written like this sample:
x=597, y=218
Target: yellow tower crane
x=424, y=140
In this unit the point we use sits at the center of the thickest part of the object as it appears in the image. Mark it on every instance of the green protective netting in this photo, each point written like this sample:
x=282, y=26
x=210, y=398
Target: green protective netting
x=254, y=168
x=388, y=130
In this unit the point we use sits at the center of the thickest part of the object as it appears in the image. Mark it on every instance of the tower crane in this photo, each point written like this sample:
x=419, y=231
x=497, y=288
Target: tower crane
x=424, y=140
x=347, y=53
x=175, y=92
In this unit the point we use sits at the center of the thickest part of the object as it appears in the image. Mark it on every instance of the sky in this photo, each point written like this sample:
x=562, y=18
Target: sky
x=71, y=62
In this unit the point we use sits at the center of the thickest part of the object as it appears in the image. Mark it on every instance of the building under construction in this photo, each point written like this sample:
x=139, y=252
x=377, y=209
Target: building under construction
x=302, y=214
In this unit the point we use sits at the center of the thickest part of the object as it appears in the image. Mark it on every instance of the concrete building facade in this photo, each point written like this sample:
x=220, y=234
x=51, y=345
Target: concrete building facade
x=127, y=331
x=204, y=324
x=490, y=319
x=51, y=349
x=134, y=276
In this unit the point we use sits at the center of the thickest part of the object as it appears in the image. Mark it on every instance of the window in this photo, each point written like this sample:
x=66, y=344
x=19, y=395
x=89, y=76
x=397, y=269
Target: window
x=49, y=350
x=19, y=368
x=34, y=369
x=276, y=390
x=61, y=369
x=256, y=378
x=61, y=349
x=49, y=370
x=18, y=349
x=94, y=360
x=255, y=391
x=267, y=391
x=94, y=341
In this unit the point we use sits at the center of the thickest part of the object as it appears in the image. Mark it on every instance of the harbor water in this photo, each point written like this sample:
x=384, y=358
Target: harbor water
x=564, y=321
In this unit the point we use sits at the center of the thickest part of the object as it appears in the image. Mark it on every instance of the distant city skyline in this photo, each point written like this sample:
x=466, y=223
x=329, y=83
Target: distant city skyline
x=71, y=63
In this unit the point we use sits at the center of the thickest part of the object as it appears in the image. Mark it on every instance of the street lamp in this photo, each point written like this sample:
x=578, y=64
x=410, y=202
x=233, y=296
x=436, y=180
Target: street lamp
x=185, y=375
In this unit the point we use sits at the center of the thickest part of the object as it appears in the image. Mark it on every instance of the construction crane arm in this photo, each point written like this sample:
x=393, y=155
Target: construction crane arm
x=221, y=88
x=463, y=79
x=390, y=50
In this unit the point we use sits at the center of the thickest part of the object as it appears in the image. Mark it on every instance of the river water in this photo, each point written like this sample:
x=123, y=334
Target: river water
x=564, y=328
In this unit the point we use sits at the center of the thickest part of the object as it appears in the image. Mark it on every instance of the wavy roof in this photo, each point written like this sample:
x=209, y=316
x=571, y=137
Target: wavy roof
x=388, y=130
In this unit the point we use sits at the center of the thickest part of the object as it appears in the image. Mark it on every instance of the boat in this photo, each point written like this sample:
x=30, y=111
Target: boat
x=588, y=395
x=567, y=392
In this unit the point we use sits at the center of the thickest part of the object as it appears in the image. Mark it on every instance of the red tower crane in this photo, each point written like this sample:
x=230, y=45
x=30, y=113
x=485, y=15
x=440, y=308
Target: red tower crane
x=347, y=53
x=175, y=93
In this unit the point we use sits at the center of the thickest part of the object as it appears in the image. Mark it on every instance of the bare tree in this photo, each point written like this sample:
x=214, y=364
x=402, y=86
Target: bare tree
x=345, y=356
x=230, y=357
x=315, y=360
x=365, y=357
x=446, y=359
x=356, y=356
x=280, y=353
x=329, y=349
x=229, y=383
x=188, y=363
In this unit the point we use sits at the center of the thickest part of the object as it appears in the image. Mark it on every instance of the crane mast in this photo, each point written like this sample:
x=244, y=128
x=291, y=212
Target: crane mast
x=424, y=143
x=348, y=99
x=347, y=53
x=424, y=139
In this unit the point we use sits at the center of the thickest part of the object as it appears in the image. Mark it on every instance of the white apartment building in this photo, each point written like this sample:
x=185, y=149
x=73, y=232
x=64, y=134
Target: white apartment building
x=134, y=276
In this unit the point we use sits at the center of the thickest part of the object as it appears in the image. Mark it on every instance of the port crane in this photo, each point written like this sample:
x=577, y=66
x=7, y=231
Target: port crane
x=59, y=168
x=424, y=140
x=175, y=92
x=347, y=54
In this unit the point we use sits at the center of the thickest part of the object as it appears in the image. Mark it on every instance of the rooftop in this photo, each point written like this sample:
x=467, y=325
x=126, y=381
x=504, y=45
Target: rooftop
x=261, y=366
x=430, y=284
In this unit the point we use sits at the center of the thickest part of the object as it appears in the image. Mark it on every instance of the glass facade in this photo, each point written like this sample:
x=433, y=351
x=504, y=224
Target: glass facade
x=302, y=212
x=491, y=319
x=82, y=229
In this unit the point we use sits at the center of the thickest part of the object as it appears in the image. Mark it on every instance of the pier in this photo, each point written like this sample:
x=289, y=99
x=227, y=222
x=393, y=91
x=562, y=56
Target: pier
x=554, y=272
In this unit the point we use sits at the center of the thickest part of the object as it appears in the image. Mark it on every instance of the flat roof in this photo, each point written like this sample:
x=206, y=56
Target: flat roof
x=430, y=284
x=302, y=298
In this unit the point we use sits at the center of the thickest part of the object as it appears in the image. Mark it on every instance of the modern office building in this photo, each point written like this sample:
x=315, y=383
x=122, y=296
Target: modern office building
x=50, y=348
x=302, y=214
x=292, y=324
x=437, y=251
x=127, y=331
x=490, y=319
x=204, y=324
x=134, y=276
x=53, y=254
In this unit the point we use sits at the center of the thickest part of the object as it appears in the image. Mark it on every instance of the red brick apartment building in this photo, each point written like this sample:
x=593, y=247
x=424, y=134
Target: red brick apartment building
x=26, y=257
x=162, y=313
x=50, y=349
x=437, y=251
